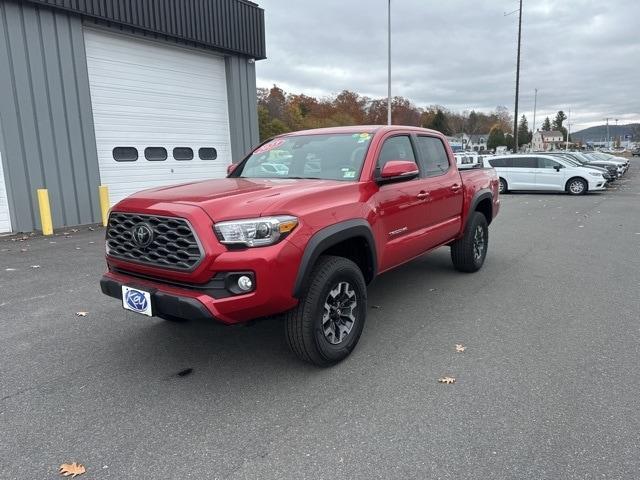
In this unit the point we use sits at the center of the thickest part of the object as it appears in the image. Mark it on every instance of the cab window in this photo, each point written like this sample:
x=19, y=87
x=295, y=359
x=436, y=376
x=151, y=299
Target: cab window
x=396, y=148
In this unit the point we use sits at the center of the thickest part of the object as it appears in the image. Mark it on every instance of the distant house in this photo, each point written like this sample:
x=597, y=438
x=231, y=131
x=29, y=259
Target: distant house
x=543, y=141
x=477, y=143
x=466, y=142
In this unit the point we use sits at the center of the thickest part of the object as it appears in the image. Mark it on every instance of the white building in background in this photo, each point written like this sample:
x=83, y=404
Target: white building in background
x=543, y=141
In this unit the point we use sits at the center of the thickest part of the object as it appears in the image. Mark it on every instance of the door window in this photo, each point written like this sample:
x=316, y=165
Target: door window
x=396, y=148
x=547, y=163
x=433, y=156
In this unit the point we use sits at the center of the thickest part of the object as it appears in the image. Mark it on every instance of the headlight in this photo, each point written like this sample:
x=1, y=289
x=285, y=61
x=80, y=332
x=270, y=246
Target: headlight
x=255, y=232
x=595, y=174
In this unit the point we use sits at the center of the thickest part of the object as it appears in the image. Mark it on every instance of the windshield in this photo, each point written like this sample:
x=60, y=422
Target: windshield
x=325, y=157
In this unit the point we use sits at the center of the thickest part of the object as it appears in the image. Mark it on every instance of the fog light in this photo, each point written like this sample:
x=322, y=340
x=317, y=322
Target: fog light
x=245, y=283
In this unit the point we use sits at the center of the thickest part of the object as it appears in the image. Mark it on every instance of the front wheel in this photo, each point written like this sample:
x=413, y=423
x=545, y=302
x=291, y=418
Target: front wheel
x=326, y=325
x=577, y=186
x=468, y=253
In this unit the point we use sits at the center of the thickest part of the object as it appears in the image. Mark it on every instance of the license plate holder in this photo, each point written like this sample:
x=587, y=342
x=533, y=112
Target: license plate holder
x=136, y=300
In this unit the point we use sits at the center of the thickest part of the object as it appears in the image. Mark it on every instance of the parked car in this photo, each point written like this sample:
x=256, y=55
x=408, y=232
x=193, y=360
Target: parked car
x=636, y=152
x=621, y=164
x=545, y=172
x=609, y=170
x=257, y=243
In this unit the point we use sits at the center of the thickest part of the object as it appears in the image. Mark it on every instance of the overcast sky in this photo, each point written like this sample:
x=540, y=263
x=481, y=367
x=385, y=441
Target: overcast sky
x=582, y=55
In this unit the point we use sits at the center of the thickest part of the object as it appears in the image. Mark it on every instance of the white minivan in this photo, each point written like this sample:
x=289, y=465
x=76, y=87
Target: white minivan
x=544, y=172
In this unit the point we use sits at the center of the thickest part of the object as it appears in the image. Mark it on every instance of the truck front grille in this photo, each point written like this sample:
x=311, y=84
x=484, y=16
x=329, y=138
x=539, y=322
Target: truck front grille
x=172, y=243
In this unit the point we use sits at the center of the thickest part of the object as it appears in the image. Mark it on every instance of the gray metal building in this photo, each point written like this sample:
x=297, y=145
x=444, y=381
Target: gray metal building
x=130, y=94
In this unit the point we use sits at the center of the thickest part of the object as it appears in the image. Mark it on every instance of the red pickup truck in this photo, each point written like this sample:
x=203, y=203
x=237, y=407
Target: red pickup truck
x=299, y=228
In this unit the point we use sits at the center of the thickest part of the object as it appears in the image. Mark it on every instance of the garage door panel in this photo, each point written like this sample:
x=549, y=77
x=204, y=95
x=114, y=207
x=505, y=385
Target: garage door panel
x=5, y=220
x=147, y=94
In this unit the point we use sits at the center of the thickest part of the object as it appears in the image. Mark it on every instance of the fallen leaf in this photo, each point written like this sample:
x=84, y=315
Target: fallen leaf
x=71, y=469
x=74, y=230
x=432, y=289
x=24, y=250
x=447, y=380
x=35, y=266
x=91, y=229
x=78, y=248
x=81, y=314
x=460, y=348
x=10, y=269
x=375, y=307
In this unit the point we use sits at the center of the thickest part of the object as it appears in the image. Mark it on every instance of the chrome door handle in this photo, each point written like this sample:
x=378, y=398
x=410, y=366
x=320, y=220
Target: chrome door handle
x=423, y=195
x=455, y=187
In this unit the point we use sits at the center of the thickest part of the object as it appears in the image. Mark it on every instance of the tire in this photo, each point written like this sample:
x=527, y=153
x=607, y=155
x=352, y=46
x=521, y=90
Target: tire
x=468, y=253
x=577, y=186
x=318, y=331
x=171, y=318
x=503, y=188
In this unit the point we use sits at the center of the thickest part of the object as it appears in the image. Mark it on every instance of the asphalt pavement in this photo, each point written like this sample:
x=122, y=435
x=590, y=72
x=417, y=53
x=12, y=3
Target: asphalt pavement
x=547, y=388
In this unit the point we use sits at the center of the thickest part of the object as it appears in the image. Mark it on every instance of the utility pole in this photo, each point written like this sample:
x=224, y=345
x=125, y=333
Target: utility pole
x=617, y=134
x=515, y=120
x=607, y=120
x=566, y=148
x=535, y=105
x=389, y=63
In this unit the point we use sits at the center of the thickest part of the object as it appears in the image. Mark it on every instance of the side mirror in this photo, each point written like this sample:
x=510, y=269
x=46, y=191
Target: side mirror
x=397, y=170
x=231, y=168
x=557, y=168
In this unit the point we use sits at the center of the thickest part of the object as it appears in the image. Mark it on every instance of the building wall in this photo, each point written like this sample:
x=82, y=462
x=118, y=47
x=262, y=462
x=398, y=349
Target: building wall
x=243, y=106
x=46, y=118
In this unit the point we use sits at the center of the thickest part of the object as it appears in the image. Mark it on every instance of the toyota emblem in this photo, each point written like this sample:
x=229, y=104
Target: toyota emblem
x=142, y=235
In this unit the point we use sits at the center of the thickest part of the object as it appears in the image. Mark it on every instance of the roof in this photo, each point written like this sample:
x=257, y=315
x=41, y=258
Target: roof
x=233, y=26
x=552, y=133
x=361, y=129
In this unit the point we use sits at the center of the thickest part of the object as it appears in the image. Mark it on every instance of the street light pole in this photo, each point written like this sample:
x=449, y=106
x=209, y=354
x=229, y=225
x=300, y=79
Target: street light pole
x=515, y=119
x=535, y=106
x=389, y=63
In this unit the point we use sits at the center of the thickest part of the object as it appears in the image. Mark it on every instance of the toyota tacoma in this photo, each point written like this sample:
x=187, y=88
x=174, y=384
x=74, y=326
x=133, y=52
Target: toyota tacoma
x=298, y=229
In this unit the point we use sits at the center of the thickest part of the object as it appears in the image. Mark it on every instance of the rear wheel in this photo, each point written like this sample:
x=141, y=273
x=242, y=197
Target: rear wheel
x=468, y=253
x=577, y=186
x=326, y=325
x=503, y=186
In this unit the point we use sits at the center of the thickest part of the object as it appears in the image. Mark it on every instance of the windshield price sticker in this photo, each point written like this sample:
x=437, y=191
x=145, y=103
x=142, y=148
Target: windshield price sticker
x=269, y=146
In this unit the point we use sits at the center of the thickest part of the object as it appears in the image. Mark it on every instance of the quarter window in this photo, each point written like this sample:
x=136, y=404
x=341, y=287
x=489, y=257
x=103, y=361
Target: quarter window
x=525, y=162
x=433, y=156
x=155, y=154
x=125, y=154
x=183, y=153
x=207, y=153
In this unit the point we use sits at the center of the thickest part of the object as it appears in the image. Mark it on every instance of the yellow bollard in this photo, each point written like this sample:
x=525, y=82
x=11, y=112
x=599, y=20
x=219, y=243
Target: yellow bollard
x=45, y=211
x=103, y=190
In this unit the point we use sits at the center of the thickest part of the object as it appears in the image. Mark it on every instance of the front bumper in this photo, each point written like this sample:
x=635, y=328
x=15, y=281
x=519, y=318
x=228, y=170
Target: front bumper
x=597, y=184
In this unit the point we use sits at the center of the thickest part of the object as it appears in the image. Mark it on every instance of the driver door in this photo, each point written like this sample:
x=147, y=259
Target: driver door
x=401, y=206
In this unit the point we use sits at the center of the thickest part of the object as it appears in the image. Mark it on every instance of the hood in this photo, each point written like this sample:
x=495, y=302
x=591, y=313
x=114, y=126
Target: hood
x=230, y=198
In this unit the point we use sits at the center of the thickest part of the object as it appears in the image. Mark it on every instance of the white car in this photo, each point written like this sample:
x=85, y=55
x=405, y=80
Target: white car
x=544, y=172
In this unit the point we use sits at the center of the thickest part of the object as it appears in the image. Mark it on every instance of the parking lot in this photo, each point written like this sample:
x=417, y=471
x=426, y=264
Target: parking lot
x=547, y=388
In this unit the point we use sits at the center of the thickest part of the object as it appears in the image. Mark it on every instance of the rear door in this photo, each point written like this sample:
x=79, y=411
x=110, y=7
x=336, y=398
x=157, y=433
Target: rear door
x=550, y=174
x=445, y=193
x=523, y=173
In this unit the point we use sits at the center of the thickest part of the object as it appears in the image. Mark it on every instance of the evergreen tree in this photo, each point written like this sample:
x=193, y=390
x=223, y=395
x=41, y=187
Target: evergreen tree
x=524, y=135
x=546, y=125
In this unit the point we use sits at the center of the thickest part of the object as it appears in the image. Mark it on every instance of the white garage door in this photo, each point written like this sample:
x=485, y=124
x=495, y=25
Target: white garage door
x=5, y=220
x=160, y=113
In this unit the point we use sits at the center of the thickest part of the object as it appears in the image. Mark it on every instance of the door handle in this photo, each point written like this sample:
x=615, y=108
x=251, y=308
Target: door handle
x=423, y=195
x=455, y=187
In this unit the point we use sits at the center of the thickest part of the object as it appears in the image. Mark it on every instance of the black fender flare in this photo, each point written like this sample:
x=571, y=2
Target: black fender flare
x=479, y=196
x=328, y=237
